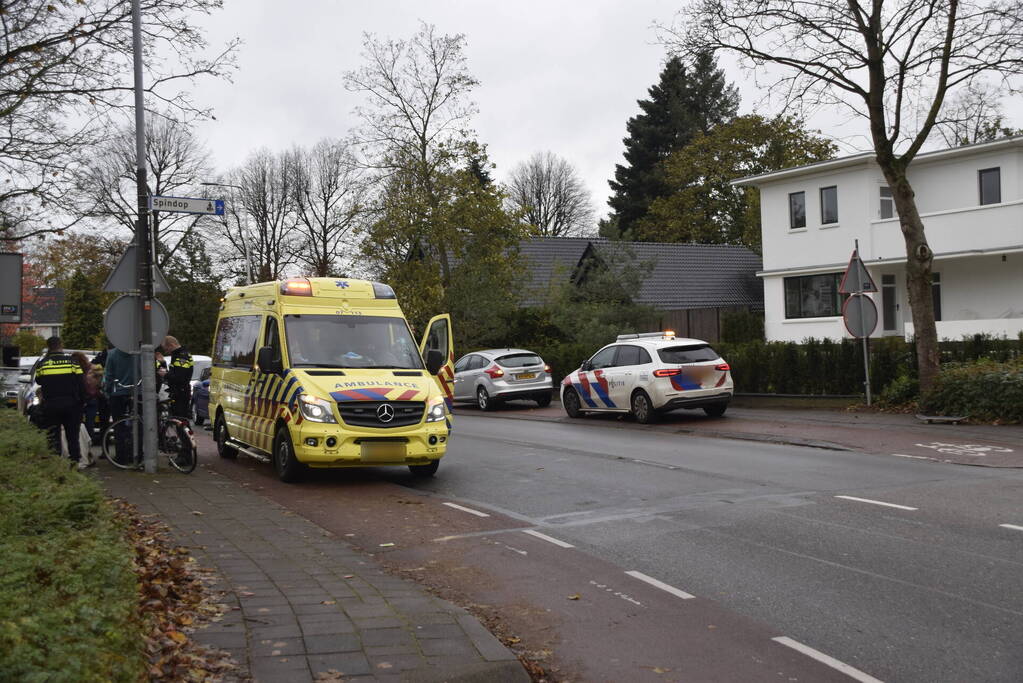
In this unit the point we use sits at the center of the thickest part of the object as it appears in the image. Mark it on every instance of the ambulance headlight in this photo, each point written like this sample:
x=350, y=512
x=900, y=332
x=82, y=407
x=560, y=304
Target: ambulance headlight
x=315, y=409
x=435, y=410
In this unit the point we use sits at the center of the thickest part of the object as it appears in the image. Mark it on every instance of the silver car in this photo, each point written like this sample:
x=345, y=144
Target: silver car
x=489, y=377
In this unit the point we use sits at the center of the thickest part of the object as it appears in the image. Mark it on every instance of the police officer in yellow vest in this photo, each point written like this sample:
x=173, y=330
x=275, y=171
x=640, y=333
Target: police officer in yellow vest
x=61, y=382
x=178, y=377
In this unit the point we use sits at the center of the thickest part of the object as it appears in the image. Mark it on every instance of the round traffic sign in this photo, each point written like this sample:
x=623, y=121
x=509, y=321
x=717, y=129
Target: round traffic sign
x=860, y=315
x=123, y=327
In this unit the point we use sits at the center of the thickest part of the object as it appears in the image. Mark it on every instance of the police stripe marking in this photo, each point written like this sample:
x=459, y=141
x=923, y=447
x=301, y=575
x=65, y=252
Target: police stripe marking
x=585, y=395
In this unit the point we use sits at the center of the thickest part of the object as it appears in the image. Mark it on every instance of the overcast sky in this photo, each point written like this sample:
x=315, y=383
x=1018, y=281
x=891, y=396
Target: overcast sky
x=561, y=75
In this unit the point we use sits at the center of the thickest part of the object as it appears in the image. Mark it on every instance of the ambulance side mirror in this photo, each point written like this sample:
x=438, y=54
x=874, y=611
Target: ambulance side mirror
x=434, y=361
x=267, y=362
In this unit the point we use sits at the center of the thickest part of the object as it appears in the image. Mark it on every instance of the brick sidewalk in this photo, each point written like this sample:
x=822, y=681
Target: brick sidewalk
x=305, y=602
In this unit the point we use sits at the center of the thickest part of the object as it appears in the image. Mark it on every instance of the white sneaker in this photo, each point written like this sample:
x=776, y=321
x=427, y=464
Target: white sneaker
x=84, y=464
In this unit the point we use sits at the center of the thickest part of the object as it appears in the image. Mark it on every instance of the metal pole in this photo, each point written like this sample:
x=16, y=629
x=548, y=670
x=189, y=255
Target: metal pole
x=866, y=366
x=144, y=248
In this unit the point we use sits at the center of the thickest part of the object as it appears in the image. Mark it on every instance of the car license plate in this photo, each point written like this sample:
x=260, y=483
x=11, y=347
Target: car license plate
x=382, y=451
x=526, y=375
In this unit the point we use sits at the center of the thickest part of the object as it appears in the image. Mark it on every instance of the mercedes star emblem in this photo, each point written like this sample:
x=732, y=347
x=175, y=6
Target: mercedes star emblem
x=385, y=413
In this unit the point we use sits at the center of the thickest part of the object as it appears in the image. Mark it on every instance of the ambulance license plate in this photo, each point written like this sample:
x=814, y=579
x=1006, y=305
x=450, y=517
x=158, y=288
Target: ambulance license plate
x=382, y=451
x=526, y=375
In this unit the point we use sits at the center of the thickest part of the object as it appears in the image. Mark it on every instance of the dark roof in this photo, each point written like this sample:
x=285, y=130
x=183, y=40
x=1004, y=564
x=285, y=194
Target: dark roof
x=682, y=276
x=46, y=307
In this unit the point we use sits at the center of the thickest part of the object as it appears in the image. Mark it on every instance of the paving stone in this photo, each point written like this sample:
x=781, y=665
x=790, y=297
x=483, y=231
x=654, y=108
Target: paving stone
x=386, y=636
x=398, y=662
x=276, y=632
x=439, y=631
x=277, y=669
x=330, y=643
x=410, y=648
x=277, y=647
x=378, y=622
x=447, y=646
x=348, y=663
x=332, y=626
x=372, y=610
x=221, y=639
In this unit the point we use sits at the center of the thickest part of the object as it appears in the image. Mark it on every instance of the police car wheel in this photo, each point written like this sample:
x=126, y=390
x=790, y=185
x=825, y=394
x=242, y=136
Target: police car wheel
x=483, y=399
x=220, y=436
x=716, y=410
x=642, y=409
x=571, y=403
x=289, y=469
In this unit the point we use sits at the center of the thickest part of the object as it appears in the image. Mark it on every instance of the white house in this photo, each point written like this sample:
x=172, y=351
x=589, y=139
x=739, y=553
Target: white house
x=971, y=201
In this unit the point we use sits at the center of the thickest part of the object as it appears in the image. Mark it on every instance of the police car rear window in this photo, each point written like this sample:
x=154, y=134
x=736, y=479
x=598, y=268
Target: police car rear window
x=519, y=360
x=687, y=354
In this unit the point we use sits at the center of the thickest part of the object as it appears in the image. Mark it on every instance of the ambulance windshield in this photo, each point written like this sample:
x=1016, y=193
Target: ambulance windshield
x=350, y=341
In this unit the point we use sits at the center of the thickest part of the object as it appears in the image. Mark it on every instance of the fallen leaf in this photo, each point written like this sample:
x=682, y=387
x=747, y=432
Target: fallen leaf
x=246, y=594
x=514, y=640
x=177, y=636
x=574, y=596
x=196, y=512
x=349, y=576
x=386, y=545
x=329, y=602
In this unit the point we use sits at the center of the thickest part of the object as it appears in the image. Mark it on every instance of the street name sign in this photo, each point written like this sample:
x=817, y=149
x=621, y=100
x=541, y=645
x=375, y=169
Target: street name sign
x=212, y=207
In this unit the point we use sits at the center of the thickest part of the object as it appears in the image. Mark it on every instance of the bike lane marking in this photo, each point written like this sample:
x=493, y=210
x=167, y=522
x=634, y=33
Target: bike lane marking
x=549, y=539
x=660, y=584
x=877, y=502
x=465, y=509
x=1012, y=526
x=849, y=671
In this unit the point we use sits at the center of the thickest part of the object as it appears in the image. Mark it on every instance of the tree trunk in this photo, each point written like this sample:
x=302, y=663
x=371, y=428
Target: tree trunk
x=919, y=259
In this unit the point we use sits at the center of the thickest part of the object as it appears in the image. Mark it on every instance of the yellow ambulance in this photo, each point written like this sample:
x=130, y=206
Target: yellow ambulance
x=324, y=372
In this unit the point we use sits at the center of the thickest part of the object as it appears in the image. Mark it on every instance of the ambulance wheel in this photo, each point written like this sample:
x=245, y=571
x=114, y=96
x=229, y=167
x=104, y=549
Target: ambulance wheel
x=642, y=408
x=220, y=436
x=483, y=399
x=424, y=470
x=716, y=410
x=571, y=402
x=289, y=469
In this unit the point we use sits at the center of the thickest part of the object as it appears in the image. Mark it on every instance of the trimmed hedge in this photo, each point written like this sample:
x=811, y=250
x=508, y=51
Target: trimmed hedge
x=68, y=594
x=819, y=367
x=983, y=390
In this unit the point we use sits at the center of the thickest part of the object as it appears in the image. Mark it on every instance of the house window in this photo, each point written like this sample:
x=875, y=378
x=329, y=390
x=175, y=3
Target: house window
x=990, y=186
x=813, y=296
x=797, y=210
x=886, y=208
x=829, y=205
x=936, y=294
x=888, y=302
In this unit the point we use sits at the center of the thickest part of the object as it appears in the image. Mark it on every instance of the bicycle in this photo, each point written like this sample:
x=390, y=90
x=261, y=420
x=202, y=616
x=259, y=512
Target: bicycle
x=174, y=437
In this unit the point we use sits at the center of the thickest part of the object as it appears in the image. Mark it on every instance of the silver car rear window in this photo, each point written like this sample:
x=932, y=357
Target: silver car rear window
x=687, y=354
x=519, y=360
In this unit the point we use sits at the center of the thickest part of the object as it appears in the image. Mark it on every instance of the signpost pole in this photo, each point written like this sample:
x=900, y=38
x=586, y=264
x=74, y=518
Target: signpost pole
x=866, y=351
x=144, y=249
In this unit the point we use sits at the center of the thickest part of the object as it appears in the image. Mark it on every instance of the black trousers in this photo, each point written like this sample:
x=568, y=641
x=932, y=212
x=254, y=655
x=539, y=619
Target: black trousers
x=69, y=418
x=120, y=406
x=180, y=397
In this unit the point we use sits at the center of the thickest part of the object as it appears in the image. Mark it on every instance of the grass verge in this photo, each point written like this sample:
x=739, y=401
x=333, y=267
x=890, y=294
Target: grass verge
x=68, y=591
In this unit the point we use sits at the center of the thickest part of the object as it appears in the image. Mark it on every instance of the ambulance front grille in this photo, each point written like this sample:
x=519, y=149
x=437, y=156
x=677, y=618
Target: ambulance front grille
x=366, y=413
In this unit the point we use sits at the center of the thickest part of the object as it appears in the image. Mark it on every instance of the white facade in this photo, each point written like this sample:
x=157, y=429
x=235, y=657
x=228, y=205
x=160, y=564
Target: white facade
x=978, y=248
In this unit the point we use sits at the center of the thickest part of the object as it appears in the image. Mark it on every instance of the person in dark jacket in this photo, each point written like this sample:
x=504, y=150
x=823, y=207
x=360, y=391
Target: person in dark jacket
x=60, y=380
x=119, y=377
x=179, y=376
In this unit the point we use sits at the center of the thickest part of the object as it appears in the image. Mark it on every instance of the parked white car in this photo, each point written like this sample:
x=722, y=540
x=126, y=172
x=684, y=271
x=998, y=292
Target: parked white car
x=648, y=374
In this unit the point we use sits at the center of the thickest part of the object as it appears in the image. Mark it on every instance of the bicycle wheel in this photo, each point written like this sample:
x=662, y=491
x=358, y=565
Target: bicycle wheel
x=110, y=442
x=179, y=444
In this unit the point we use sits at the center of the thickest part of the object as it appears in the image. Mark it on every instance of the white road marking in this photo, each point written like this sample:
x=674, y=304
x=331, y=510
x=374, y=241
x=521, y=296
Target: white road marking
x=1012, y=526
x=877, y=502
x=660, y=584
x=547, y=538
x=915, y=457
x=849, y=671
x=465, y=509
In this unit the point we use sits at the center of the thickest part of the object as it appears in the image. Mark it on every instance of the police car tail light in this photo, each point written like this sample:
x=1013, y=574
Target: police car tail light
x=723, y=367
x=667, y=372
x=494, y=372
x=297, y=287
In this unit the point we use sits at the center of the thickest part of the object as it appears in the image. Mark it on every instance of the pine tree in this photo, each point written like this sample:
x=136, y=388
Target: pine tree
x=83, y=312
x=686, y=101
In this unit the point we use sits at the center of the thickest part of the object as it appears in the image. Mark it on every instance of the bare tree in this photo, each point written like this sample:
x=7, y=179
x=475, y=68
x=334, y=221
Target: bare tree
x=891, y=63
x=973, y=115
x=177, y=163
x=64, y=67
x=551, y=197
x=268, y=225
x=329, y=193
x=416, y=117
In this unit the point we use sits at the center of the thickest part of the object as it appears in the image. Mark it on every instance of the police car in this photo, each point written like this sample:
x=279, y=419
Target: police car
x=647, y=374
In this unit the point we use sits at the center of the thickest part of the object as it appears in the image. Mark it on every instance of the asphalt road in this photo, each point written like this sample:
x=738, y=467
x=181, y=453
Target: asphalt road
x=929, y=590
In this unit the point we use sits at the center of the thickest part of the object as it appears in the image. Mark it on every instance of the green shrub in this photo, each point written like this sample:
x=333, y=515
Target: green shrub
x=68, y=595
x=983, y=390
x=901, y=391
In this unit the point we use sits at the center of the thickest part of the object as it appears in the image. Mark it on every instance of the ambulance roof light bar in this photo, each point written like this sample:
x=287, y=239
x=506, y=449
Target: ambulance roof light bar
x=666, y=334
x=298, y=286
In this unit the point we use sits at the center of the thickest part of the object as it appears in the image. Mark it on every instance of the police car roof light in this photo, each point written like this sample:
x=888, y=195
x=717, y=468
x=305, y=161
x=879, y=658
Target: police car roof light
x=646, y=335
x=297, y=287
x=382, y=291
